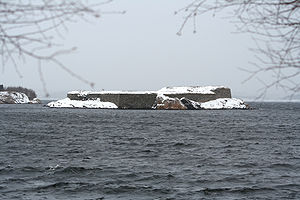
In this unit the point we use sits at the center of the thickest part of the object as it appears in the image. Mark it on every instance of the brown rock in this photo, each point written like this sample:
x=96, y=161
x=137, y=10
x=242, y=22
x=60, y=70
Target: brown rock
x=166, y=103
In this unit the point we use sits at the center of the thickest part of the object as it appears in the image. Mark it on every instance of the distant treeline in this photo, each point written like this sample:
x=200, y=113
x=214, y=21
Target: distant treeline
x=29, y=92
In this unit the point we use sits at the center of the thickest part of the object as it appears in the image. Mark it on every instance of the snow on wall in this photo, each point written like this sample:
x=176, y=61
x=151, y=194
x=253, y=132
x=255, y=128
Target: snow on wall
x=85, y=93
x=165, y=90
x=192, y=89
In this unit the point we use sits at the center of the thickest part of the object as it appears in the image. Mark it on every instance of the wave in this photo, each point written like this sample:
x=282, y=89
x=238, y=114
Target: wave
x=23, y=169
x=282, y=165
x=236, y=190
x=290, y=185
x=245, y=165
x=64, y=185
x=77, y=170
x=182, y=144
x=137, y=189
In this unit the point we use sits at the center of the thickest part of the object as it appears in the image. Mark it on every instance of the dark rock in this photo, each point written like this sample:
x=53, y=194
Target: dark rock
x=191, y=105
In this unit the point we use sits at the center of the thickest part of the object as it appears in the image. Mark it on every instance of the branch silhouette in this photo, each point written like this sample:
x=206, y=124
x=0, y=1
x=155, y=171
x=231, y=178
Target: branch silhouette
x=27, y=30
x=275, y=25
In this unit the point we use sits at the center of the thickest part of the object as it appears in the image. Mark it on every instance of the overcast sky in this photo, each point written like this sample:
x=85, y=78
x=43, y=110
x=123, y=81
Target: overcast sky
x=141, y=51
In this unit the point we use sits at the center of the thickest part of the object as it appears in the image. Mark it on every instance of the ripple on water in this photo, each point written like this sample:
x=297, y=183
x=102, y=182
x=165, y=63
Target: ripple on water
x=135, y=154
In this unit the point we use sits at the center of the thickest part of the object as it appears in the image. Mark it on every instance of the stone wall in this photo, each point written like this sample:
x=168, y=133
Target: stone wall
x=147, y=100
x=222, y=93
x=137, y=101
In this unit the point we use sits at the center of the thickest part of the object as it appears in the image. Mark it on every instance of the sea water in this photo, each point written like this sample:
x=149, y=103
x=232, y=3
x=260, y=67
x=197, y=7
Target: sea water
x=150, y=154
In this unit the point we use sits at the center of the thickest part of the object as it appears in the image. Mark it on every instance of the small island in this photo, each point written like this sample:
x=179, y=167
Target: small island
x=167, y=98
x=17, y=95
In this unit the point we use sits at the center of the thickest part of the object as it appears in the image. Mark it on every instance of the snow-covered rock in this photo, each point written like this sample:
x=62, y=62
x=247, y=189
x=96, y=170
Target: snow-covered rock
x=35, y=101
x=68, y=103
x=166, y=103
x=7, y=97
x=225, y=103
x=191, y=105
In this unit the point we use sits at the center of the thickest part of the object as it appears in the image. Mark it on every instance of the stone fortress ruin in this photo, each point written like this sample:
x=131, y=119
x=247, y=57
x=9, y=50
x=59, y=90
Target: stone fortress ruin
x=146, y=99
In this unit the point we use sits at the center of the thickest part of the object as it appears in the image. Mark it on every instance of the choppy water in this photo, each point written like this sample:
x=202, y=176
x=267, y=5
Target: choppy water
x=134, y=154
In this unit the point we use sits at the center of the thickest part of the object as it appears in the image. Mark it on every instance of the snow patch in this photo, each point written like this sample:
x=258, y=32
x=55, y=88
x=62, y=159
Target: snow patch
x=224, y=103
x=164, y=97
x=68, y=103
x=85, y=93
x=191, y=89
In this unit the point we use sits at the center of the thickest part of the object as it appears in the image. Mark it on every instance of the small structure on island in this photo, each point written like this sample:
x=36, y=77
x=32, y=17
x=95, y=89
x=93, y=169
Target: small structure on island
x=1, y=88
x=147, y=99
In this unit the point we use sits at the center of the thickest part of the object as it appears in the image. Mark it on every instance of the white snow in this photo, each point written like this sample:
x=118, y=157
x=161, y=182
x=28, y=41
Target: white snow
x=85, y=93
x=224, y=103
x=17, y=97
x=191, y=89
x=165, y=90
x=68, y=103
x=163, y=97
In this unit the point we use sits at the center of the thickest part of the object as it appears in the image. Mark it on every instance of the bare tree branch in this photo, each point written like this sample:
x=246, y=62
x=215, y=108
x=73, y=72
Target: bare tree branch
x=276, y=26
x=27, y=28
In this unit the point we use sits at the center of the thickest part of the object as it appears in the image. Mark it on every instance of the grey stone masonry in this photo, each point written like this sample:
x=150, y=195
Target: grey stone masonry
x=145, y=100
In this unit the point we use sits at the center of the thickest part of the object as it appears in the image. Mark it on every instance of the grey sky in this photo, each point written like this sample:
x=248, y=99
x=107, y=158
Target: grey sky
x=141, y=51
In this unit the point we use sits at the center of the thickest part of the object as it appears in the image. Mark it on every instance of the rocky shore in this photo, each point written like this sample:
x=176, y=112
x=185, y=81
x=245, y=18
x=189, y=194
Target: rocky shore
x=166, y=103
x=10, y=97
